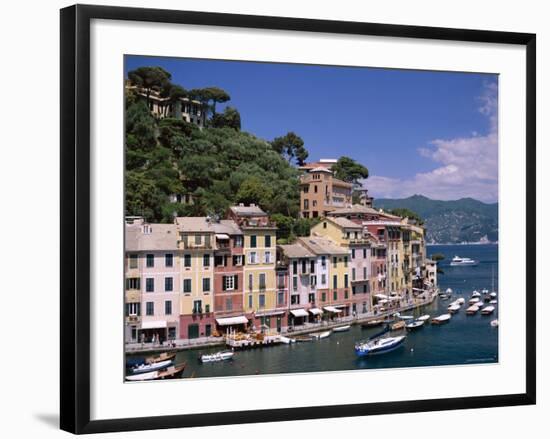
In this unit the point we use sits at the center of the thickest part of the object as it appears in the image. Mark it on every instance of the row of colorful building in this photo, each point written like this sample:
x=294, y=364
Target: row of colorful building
x=202, y=276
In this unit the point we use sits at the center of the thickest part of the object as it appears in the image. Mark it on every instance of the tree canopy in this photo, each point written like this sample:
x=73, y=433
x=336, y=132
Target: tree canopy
x=291, y=146
x=150, y=78
x=349, y=170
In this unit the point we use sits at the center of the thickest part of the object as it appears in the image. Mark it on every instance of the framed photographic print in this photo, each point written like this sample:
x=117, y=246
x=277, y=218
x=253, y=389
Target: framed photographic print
x=272, y=218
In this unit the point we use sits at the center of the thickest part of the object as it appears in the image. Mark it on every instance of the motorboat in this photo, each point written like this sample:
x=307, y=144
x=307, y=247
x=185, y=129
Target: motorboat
x=303, y=338
x=406, y=317
x=472, y=310
x=144, y=368
x=493, y=295
x=493, y=302
x=454, y=308
x=379, y=345
x=286, y=340
x=476, y=294
x=342, y=328
x=488, y=310
x=321, y=335
x=494, y=323
x=424, y=318
x=457, y=261
x=398, y=325
x=443, y=318
x=460, y=300
x=170, y=373
x=161, y=357
x=218, y=356
x=416, y=324
x=372, y=324
x=474, y=300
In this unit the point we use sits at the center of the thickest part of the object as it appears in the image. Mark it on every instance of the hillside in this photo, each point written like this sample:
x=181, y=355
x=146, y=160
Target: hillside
x=464, y=220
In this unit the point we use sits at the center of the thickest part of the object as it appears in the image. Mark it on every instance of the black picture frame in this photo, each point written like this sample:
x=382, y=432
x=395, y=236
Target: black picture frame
x=75, y=217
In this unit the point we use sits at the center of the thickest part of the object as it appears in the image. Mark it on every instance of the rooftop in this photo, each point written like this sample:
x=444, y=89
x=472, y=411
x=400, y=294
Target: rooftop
x=296, y=251
x=355, y=209
x=252, y=210
x=344, y=223
x=151, y=237
x=322, y=246
x=194, y=224
x=228, y=227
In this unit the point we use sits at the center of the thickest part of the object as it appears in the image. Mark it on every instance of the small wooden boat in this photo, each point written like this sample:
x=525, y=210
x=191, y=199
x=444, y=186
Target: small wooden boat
x=487, y=310
x=472, y=310
x=303, y=338
x=170, y=373
x=424, y=318
x=218, y=356
x=398, y=325
x=321, y=335
x=454, y=308
x=443, y=318
x=161, y=357
x=372, y=324
x=342, y=328
x=144, y=368
x=379, y=346
x=417, y=324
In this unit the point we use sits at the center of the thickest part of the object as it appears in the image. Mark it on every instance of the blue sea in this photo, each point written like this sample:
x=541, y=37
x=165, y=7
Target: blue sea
x=465, y=340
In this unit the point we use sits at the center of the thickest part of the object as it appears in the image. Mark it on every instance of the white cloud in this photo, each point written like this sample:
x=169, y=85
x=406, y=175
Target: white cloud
x=466, y=166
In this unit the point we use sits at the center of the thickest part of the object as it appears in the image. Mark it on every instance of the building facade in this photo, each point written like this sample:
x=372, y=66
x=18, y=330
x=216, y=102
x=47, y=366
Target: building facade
x=321, y=192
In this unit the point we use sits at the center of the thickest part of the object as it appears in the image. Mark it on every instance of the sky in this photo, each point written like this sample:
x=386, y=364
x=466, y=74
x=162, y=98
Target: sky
x=418, y=132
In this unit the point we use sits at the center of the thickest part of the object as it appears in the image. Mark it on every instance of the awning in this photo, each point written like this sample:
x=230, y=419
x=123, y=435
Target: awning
x=155, y=324
x=222, y=236
x=418, y=289
x=269, y=313
x=316, y=311
x=240, y=320
x=380, y=296
x=332, y=309
x=299, y=312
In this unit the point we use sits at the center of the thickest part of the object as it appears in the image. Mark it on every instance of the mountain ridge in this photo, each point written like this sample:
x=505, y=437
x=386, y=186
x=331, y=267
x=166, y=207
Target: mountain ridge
x=450, y=221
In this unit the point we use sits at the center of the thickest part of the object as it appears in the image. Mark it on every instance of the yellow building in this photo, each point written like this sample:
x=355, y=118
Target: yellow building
x=260, y=253
x=197, y=243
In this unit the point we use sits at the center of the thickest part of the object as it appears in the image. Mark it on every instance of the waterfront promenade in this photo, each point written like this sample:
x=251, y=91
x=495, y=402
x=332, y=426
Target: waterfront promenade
x=205, y=342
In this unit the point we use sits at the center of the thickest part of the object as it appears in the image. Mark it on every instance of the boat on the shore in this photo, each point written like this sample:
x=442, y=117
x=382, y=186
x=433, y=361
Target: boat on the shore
x=287, y=340
x=443, y=318
x=216, y=357
x=379, y=346
x=457, y=261
x=170, y=373
x=472, y=310
x=144, y=368
x=416, y=324
x=487, y=310
x=342, y=328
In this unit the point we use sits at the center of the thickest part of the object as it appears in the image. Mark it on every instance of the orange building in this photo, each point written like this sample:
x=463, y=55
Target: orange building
x=321, y=193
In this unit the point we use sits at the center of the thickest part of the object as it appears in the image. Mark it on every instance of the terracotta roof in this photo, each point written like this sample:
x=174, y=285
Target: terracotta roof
x=296, y=251
x=228, y=227
x=322, y=246
x=247, y=211
x=194, y=224
x=158, y=237
x=355, y=208
x=345, y=223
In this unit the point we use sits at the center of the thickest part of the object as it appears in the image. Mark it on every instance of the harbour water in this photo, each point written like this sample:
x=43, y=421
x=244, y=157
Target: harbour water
x=465, y=340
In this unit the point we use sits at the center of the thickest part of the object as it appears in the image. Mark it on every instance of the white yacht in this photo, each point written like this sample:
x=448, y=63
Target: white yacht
x=458, y=261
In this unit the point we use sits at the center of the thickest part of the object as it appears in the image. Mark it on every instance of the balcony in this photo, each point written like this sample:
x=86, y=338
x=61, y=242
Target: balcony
x=194, y=246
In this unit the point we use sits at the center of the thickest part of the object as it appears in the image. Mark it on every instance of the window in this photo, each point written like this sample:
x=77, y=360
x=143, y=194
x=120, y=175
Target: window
x=304, y=266
x=219, y=260
x=346, y=280
x=353, y=290
x=252, y=241
x=334, y=281
x=262, y=281
x=335, y=295
x=228, y=283
x=312, y=267
x=237, y=260
x=238, y=241
x=206, y=284
x=133, y=261
x=324, y=227
x=149, y=285
x=186, y=285
x=168, y=307
x=365, y=272
x=352, y=253
x=295, y=299
x=346, y=294
x=313, y=281
x=345, y=261
x=268, y=240
x=168, y=284
x=150, y=308
x=150, y=260
x=168, y=260
x=252, y=258
x=323, y=279
x=315, y=188
x=206, y=260
x=197, y=307
x=306, y=189
x=364, y=307
x=198, y=239
x=323, y=297
x=267, y=257
x=228, y=304
x=250, y=300
x=295, y=283
x=280, y=281
x=207, y=241
x=261, y=298
x=311, y=297
x=334, y=262
x=352, y=274
x=133, y=309
x=207, y=308
x=250, y=282
x=295, y=267
x=364, y=253
x=133, y=283
x=323, y=261
x=186, y=260
x=365, y=288
x=280, y=298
